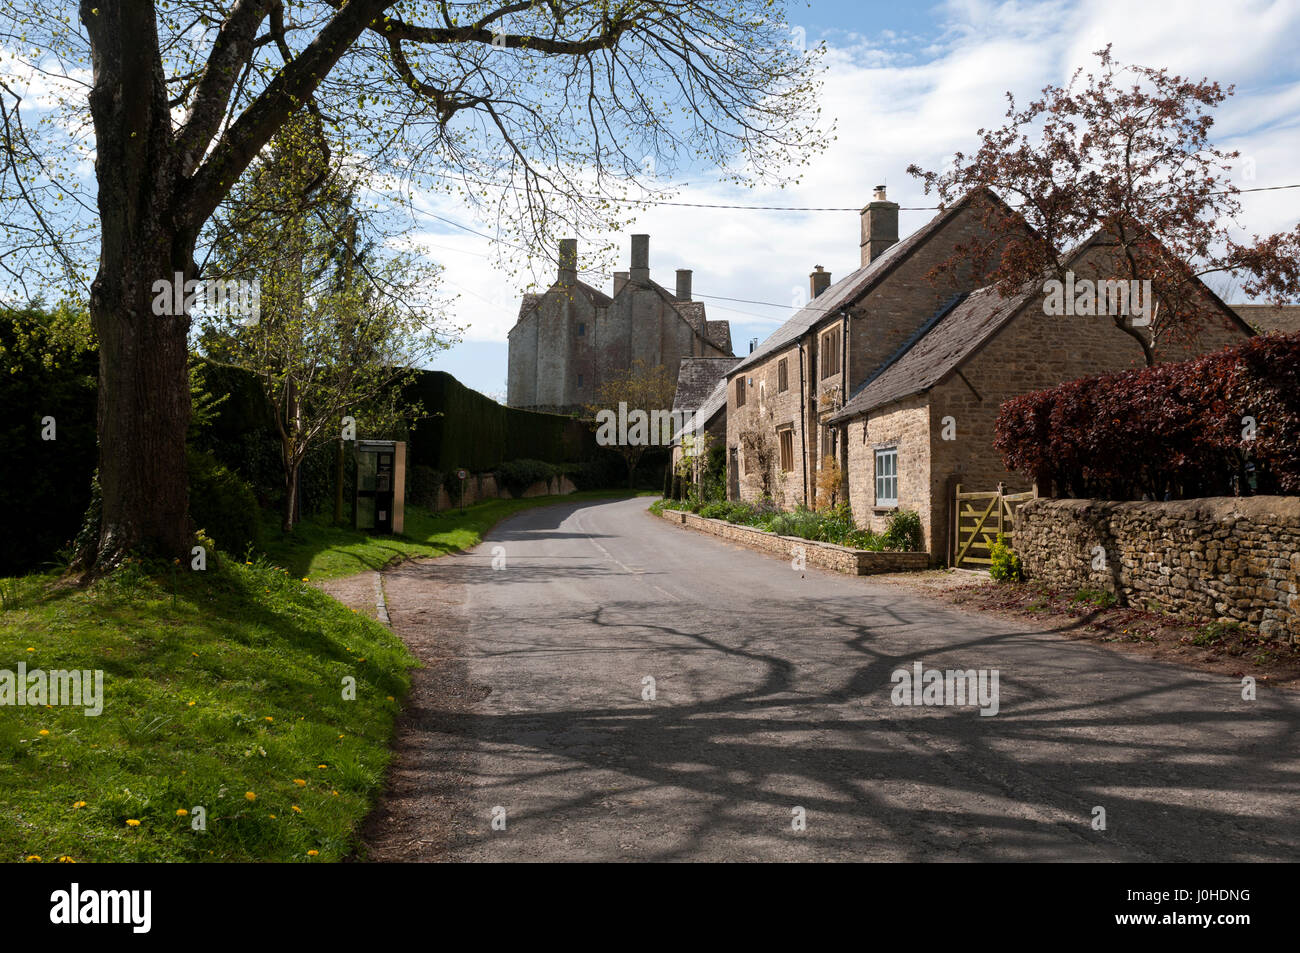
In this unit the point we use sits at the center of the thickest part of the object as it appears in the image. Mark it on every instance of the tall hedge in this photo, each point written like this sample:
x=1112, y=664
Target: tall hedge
x=463, y=428
x=48, y=369
x=1223, y=424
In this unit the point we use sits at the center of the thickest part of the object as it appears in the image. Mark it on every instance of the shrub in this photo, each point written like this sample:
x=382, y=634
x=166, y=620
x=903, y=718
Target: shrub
x=423, y=484
x=903, y=531
x=518, y=475
x=1006, y=564
x=221, y=504
x=1224, y=424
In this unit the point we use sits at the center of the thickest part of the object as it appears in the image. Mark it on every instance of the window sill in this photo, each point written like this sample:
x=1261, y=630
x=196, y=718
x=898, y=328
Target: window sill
x=881, y=510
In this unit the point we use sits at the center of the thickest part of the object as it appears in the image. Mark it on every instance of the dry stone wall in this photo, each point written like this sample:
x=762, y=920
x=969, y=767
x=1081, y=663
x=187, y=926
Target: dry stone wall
x=1220, y=558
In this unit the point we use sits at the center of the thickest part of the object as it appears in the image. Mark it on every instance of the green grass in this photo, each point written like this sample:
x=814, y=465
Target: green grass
x=319, y=550
x=216, y=683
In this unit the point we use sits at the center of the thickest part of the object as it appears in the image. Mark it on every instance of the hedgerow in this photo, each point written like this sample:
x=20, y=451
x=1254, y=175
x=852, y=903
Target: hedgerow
x=1224, y=424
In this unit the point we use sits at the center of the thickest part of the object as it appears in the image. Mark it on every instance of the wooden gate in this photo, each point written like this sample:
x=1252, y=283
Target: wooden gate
x=980, y=517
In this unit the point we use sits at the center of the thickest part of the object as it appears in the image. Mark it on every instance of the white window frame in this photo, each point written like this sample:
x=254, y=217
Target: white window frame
x=886, y=474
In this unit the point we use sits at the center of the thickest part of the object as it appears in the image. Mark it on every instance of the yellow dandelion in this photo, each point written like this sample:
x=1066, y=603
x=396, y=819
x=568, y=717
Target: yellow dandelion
x=340, y=737
x=391, y=698
x=249, y=795
x=132, y=822
x=335, y=793
x=248, y=562
x=189, y=705
x=300, y=782
x=65, y=859
x=272, y=817
x=181, y=812
x=296, y=809
x=360, y=660
x=269, y=718
x=78, y=805
x=312, y=853
x=33, y=858
x=195, y=654
x=322, y=766
x=44, y=731
x=30, y=649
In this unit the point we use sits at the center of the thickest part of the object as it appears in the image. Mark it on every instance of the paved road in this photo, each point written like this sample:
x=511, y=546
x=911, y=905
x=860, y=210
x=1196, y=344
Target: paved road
x=773, y=693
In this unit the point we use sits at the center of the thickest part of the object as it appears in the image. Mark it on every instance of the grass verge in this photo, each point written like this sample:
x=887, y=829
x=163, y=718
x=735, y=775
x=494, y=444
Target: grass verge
x=223, y=690
x=320, y=550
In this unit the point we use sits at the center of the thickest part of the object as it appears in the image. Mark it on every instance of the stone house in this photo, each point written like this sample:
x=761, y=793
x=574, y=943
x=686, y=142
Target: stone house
x=779, y=398
x=570, y=338
x=696, y=403
x=923, y=422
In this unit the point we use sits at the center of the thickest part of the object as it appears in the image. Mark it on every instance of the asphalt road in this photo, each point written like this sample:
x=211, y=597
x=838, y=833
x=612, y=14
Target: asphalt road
x=773, y=694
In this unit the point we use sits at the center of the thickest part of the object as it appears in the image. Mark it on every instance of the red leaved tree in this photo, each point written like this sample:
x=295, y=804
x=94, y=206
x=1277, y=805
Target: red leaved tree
x=1124, y=152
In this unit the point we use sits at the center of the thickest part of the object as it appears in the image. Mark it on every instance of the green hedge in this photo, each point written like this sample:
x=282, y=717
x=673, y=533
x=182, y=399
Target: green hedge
x=463, y=428
x=48, y=368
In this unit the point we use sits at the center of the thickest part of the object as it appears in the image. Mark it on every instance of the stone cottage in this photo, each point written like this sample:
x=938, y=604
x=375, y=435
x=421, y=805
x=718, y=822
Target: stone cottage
x=569, y=339
x=780, y=397
x=923, y=421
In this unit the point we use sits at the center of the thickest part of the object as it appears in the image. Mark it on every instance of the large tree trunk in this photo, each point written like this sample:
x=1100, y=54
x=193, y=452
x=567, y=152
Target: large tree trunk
x=144, y=400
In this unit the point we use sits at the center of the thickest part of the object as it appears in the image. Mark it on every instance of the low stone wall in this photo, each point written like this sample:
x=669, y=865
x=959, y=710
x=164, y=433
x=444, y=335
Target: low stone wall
x=854, y=562
x=483, y=486
x=1219, y=558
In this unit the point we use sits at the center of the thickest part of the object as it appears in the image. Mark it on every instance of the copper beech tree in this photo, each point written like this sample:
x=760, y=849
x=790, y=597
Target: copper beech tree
x=1123, y=154
x=547, y=113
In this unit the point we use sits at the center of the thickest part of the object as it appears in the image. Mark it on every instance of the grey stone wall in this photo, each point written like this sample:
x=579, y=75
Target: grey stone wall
x=1219, y=558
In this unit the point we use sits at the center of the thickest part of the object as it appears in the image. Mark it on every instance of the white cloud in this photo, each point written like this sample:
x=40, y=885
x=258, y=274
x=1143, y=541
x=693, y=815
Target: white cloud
x=893, y=110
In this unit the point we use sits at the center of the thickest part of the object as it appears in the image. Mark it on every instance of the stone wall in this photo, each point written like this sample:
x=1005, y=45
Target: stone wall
x=854, y=562
x=483, y=486
x=1219, y=558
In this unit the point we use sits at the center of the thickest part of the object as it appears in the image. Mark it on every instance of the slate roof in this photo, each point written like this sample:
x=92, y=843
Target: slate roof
x=945, y=342
x=848, y=290
x=697, y=378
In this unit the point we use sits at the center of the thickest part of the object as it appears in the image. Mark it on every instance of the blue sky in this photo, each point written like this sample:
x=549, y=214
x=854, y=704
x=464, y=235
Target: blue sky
x=910, y=82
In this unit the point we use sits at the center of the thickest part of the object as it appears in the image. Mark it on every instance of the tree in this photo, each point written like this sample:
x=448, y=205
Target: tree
x=1126, y=153
x=542, y=112
x=633, y=411
x=761, y=458
x=340, y=327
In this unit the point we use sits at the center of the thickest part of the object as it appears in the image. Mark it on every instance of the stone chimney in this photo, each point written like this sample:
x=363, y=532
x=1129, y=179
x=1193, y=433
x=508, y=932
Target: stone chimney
x=683, y=284
x=568, y=274
x=879, y=226
x=640, y=270
x=818, y=281
x=620, y=279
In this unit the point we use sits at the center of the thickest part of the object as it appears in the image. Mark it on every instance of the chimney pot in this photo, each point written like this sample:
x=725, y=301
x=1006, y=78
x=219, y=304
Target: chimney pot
x=640, y=270
x=683, y=284
x=818, y=281
x=879, y=226
x=568, y=273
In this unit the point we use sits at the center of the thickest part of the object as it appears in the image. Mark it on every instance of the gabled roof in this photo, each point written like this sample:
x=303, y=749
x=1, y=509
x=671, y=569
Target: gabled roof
x=850, y=289
x=712, y=405
x=947, y=341
x=951, y=337
x=696, y=379
x=531, y=300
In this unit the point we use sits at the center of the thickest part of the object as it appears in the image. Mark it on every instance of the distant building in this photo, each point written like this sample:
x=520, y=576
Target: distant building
x=1269, y=318
x=571, y=338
